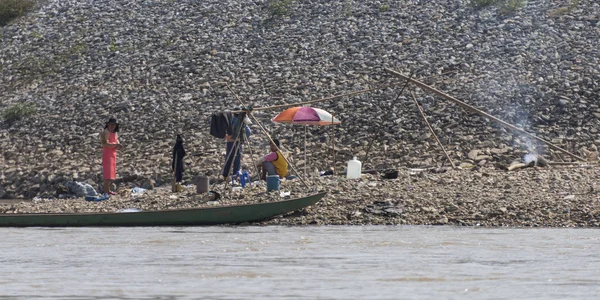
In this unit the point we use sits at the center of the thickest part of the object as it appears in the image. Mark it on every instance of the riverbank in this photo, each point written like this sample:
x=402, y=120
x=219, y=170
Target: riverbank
x=557, y=197
x=159, y=68
x=531, y=197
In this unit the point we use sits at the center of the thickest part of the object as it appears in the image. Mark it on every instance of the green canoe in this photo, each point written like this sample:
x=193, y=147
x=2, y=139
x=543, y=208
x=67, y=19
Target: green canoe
x=233, y=214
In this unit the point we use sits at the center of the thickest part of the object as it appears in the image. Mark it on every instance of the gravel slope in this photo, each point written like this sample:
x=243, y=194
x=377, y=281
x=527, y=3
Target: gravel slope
x=157, y=67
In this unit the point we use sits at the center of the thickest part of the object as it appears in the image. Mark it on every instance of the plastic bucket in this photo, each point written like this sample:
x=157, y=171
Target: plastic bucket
x=273, y=183
x=202, y=184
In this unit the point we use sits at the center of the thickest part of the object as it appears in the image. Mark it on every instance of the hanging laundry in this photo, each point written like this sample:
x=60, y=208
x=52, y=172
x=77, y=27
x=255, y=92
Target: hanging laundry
x=220, y=124
x=177, y=161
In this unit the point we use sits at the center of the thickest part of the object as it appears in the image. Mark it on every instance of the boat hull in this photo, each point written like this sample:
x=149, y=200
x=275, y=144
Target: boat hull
x=234, y=214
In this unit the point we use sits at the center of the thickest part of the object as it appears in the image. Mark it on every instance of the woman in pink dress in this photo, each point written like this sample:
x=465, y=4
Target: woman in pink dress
x=110, y=144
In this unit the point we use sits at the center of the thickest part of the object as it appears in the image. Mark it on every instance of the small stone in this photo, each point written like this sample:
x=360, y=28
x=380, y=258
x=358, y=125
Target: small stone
x=442, y=221
x=451, y=208
x=563, y=102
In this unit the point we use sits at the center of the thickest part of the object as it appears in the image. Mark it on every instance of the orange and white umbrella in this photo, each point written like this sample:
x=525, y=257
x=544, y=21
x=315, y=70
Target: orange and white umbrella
x=304, y=115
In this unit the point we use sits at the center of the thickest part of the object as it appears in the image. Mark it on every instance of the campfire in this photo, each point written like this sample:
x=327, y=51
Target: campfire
x=529, y=160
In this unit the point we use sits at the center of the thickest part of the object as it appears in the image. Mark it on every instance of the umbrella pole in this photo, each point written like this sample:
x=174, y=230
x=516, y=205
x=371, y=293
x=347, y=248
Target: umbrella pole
x=305, y=161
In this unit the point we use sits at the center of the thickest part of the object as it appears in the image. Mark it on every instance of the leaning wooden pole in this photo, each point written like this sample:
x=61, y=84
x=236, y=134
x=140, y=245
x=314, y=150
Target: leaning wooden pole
x=482, y=113
x=322, y=100
x=431, y=129
x=244, y=131
x=383, y=120
x=271, y=140
x=333, y=142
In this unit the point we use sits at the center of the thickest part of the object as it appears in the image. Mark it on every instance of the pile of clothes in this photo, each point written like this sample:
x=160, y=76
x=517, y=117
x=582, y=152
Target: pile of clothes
x=82, y=189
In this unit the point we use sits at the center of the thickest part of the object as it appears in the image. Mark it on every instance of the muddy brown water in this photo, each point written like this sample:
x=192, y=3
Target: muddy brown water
x=325, y=262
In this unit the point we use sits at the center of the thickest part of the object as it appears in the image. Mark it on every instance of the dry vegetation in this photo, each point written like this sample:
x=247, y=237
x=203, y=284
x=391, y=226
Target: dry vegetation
x=12, y=9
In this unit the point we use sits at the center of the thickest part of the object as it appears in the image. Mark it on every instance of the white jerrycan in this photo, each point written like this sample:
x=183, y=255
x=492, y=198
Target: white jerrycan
x=354, y=168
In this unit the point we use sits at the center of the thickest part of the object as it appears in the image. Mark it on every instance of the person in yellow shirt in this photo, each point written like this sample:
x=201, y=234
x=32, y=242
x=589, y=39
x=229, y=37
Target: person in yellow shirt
x=273, y=163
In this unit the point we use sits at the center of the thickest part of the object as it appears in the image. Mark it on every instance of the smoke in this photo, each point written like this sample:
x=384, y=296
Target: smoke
x=521, y=117
x=510, y=99
x=529, y=157
x=532, y=146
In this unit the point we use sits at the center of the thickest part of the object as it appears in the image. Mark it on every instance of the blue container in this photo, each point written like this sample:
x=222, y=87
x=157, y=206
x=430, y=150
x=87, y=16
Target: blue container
x=245, y=179
x=235, y=176
x=273, y=183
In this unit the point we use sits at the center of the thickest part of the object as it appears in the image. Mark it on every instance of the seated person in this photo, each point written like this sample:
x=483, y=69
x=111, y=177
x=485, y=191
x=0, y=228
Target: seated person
x=273, y=163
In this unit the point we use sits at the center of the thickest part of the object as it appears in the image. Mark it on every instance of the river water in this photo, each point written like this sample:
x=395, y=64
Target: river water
x=370, y=262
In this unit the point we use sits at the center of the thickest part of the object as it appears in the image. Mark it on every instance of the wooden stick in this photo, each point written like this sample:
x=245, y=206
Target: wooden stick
x=271, y=140
x=333, y=142
x=482, y=113
x=234, y=150
x=517, y=166
x=244, y=131
x=385, y=118
x=431, y=129
x=563, y=163
x=174, y=184
x=252, y=157
x=236, y=144
x=321, y=100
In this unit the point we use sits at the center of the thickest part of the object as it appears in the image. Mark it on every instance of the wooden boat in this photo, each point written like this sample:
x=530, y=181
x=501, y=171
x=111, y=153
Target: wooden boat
x=233, y=214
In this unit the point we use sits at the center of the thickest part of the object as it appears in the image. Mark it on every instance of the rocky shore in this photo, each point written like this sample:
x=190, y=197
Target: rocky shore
x=159, y=67
x=533, y=197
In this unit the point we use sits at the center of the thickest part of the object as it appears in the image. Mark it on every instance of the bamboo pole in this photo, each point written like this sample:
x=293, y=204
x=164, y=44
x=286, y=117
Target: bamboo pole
x=385, y=118
x=271, y=140
x=234, y=151
x=243, y=132
x=431, y=129
x=174, y=184
x=322, y=100
x=333, y=142
x=482, y=113
x=252, y=156
x=567, y=163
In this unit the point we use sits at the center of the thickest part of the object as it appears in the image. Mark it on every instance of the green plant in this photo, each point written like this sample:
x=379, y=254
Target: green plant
x=36, y=35
x=511, y=6
x=564, y=9
x=112, y=46
x=279, y=8
x=72, y=52
x=348, y=7
x=483, y=3
x=384, y=8
x=17, y=112
x=77, y=48
x=11, y=9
